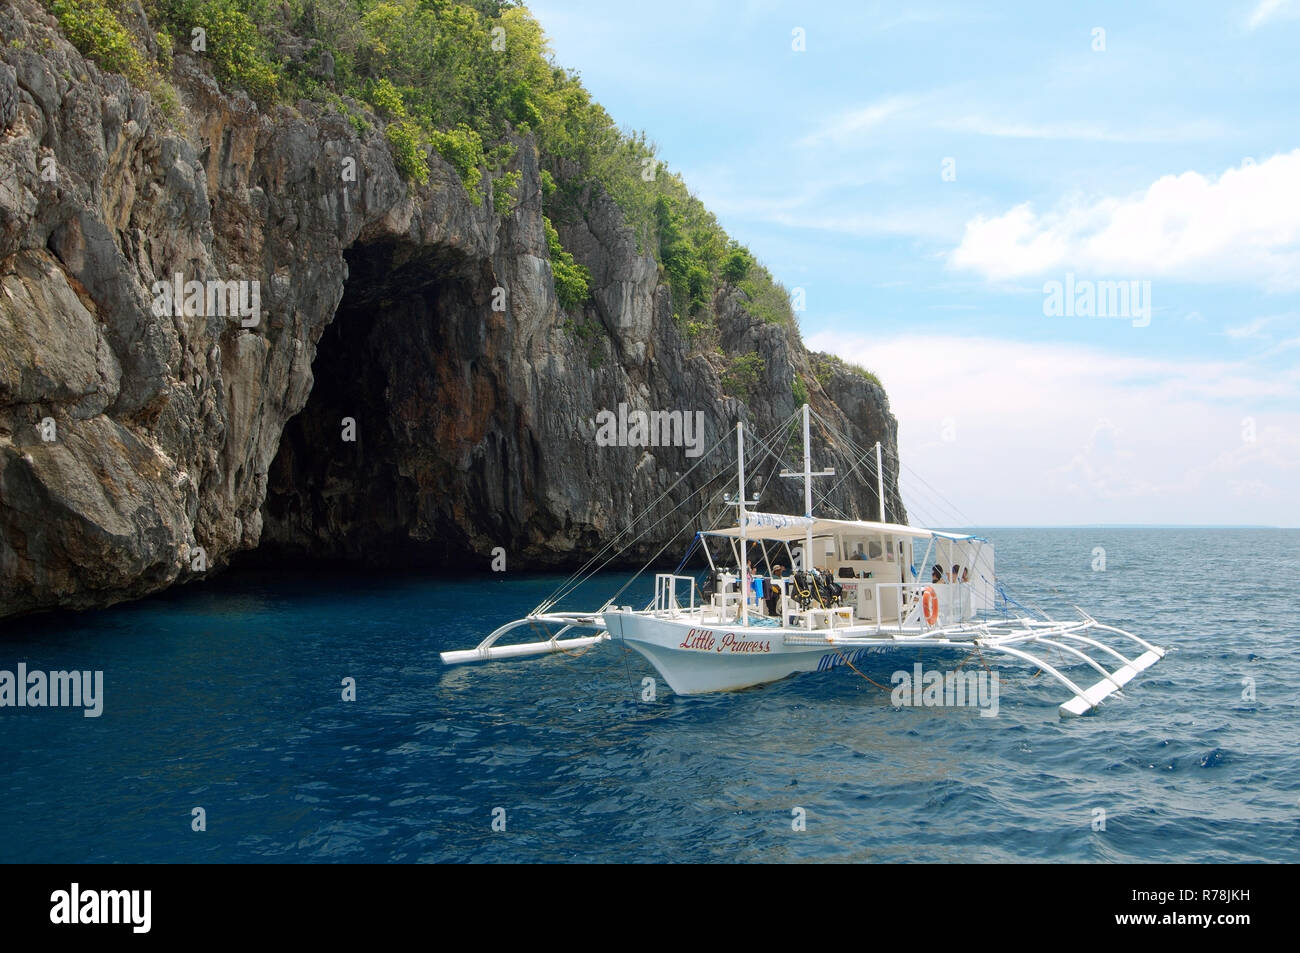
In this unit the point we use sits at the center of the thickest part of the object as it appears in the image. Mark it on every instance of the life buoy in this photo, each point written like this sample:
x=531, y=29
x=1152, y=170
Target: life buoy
x=930, y=604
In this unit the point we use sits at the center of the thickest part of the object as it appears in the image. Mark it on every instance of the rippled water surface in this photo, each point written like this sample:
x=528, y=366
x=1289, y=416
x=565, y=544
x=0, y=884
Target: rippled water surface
x=228, y=696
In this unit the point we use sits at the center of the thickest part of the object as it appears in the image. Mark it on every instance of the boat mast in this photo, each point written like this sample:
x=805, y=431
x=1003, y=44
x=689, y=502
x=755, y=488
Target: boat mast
x=807, y=493
x=741, y=570
x=880, y=484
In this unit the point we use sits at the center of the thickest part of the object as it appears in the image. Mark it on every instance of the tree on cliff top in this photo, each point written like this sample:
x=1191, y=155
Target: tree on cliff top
x=456, y=77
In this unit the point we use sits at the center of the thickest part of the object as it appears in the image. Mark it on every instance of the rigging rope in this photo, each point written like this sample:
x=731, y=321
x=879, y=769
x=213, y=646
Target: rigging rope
x=587, y=571
x=574, y=581
x=716, y=520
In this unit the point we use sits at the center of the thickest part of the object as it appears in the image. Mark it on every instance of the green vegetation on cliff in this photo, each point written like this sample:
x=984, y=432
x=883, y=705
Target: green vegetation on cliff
x=458, y=79
x=95, y=28
x=742, y=374
x=571, y=279
x=825, y=365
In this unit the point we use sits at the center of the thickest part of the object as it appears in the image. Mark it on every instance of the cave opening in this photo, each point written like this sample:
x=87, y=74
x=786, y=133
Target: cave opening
x=365, y=472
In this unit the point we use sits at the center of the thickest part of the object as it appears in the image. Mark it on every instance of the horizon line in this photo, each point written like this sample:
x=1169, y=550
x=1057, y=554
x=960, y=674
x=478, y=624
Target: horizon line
x=1116, y=526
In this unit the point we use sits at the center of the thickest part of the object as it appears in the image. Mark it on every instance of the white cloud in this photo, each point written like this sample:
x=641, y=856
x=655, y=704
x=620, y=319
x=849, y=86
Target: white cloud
x=1053, y=434
x=1265, y=11
x=937, y=109
x=1290, y=344
x=1244, y=226
x=822, y=206
x=1079, y=130
x=1251, y=329
x=1263, y=327
x=915, y=223
x=850, y=125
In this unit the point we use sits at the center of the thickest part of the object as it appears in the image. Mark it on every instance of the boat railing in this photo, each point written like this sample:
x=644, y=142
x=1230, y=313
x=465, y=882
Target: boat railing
x=907, y=611
x=909, y=608
x=666, y=602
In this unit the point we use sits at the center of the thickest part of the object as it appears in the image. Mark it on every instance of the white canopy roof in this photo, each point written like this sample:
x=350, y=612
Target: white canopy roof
x=942, y=534
x=779, y=526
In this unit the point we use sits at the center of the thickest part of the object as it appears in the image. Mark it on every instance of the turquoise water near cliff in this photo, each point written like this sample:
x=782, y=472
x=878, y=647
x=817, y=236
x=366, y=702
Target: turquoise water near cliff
x=228, y=696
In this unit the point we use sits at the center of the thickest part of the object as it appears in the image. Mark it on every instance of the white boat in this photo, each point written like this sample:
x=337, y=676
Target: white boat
x=868, y=590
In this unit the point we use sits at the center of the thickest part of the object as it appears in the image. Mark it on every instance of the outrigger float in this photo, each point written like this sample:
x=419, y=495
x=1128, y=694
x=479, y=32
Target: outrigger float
x=867, y=590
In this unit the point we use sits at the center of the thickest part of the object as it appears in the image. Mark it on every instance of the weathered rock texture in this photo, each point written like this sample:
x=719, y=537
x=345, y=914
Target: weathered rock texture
x=129, y=440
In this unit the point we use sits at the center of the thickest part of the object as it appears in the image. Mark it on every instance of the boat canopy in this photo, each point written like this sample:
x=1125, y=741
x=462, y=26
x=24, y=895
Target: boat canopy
x=779, y=526
x=961, y=537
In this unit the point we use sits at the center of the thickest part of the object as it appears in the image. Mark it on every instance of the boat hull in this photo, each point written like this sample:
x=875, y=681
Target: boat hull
x=695, y=660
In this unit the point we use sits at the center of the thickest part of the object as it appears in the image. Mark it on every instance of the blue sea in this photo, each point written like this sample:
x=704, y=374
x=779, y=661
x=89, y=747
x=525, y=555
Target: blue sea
x=228, y=696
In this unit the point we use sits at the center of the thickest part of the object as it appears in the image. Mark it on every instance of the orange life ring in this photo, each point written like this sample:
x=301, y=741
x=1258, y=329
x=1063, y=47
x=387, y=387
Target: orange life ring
x=930, y=604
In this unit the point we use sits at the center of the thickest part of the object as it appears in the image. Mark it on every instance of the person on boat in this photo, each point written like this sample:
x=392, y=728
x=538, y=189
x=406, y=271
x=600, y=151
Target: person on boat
x=778, y=589
x=965, y=575
x=774, y=589
x=753, y=586
x=952, y=576
x=936, y=573
x=858, y=553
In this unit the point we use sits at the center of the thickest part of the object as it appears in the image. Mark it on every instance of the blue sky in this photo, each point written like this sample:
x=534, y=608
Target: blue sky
x=1165, y=151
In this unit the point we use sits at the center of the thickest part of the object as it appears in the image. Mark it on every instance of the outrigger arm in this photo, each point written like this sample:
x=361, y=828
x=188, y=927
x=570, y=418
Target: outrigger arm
x=489, y=651
x=998, y=637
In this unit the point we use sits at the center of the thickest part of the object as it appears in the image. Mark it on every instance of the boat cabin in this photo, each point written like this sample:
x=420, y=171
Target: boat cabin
x=882, y=569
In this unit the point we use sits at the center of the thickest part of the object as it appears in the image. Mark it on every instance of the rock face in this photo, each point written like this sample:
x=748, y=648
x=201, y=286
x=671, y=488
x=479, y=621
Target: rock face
x=144, y=442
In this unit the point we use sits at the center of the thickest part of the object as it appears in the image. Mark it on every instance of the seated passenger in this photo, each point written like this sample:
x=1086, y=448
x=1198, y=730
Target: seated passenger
x=936, y=573
x=858, y=553
x=773, y=596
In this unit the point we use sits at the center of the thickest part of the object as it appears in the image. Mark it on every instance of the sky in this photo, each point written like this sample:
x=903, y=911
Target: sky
x=1066, y=237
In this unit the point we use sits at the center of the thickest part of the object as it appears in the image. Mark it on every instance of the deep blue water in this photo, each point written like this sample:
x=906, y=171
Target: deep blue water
x=228, y=696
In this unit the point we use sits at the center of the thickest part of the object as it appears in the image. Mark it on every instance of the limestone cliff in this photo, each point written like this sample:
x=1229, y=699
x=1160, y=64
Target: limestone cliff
x=130, y=439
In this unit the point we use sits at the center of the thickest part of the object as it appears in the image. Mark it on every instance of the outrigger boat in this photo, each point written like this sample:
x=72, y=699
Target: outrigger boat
x=858, y=588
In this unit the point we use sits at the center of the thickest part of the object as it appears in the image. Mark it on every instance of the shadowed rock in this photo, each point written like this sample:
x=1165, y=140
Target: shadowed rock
x=175, y=433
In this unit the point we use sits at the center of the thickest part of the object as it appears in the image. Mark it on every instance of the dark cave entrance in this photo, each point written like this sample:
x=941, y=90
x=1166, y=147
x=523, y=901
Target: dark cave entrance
x=396, y=371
